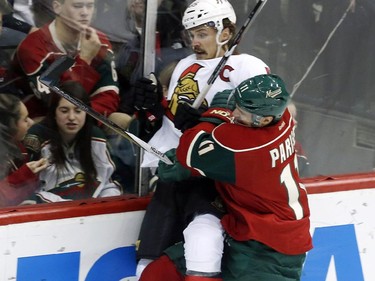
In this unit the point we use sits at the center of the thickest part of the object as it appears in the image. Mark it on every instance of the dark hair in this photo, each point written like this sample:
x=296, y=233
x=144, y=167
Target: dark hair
x=82, y=149
x=232, y=29
x=9, y=115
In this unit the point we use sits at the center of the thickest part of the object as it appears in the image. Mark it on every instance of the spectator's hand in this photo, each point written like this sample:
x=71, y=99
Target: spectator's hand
x=37, y=166
x=224, y=99
x=217, y=115
x=187, y=116
x=121, y=119
x=90, y=44
x=147, y=92
x=174, y=172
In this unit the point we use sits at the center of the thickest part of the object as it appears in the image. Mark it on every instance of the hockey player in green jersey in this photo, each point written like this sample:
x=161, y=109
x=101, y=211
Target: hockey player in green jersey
x=188, y=203
x=249, y=151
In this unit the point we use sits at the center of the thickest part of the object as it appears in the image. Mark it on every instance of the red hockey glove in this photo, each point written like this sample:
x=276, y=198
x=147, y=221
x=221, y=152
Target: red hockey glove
x=217, y=115
x=147, y=92
x=187, y=116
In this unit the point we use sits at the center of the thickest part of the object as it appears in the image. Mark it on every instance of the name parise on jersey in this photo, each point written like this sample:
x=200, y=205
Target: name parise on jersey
x=284, y=151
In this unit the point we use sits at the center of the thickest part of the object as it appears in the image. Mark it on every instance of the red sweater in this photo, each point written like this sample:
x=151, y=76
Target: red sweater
x=41, y=48
x=19, y=184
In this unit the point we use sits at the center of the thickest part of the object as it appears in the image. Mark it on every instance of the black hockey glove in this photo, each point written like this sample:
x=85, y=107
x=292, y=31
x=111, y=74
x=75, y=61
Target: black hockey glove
x=147, y=92
x=224, y=99
x=187, y=116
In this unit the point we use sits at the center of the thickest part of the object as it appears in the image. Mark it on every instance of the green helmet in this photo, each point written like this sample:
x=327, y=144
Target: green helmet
x=263, y=95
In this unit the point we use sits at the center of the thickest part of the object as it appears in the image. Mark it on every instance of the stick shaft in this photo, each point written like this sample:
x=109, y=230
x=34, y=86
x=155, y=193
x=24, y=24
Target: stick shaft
x=50, y=78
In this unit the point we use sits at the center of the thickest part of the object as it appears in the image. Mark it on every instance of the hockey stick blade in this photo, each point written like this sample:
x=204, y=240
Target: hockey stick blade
x=236, y=40
x=52, y=75
x=50, y=78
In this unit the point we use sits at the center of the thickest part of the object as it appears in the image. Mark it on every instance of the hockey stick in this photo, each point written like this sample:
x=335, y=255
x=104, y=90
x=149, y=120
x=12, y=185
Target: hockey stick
x=51, y=78
x=236, y=40
x=148, y=51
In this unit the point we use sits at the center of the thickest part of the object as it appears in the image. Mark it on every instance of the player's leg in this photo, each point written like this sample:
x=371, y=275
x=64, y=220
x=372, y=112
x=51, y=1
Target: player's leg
x=171, y=267
x=204, y=243
x=162, y=225
x=201, y=278
x=254, y=261
x=161, y=269
x=158, y=229
x=204, y=235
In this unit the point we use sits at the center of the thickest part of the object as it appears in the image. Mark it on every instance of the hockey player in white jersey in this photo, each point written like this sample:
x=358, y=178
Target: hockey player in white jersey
x=211, y=27
x=188, y=204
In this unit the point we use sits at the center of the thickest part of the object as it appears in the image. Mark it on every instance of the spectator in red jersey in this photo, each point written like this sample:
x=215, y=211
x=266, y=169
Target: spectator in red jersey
x=18, y=176
x=250, y=153
x=70, y=33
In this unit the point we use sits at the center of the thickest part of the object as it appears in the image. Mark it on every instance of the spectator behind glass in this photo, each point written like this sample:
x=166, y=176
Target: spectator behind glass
x=80, y=165
x=16, y=24
x=169, y=24
x=123, y=152
x=19, y=17
x=129, y=57
x=136, y=11
x=70, y=33
x=5, y=9
x=18, y=176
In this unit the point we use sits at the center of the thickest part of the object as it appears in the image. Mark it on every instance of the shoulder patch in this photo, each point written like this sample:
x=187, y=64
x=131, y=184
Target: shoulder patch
x=32, y=142
x=205, y=146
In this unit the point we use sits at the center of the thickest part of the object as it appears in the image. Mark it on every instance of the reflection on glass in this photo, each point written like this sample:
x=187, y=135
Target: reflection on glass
x=323, y=50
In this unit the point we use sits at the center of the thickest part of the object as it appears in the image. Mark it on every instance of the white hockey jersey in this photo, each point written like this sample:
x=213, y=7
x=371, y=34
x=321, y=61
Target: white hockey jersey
x=68, y=184
x=188, y=79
